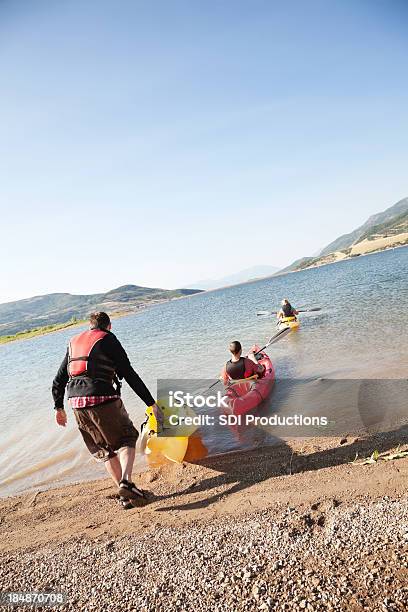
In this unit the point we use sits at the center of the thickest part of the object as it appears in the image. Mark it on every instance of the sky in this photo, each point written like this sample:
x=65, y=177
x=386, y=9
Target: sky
x=158, y=143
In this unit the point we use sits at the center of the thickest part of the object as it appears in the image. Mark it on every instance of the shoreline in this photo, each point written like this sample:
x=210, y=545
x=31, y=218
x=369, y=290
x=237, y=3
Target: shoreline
x=288, y=458
x=42, y=331
x=348, y=257
x=248, y=524
x=36, y=333
x=341, y=259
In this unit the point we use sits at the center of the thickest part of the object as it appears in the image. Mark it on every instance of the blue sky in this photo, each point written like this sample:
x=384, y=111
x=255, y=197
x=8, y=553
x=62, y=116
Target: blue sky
x=161, y=142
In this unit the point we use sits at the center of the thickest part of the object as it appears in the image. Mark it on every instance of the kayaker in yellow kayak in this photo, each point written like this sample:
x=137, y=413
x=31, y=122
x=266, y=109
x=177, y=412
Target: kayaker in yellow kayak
x=287, y=311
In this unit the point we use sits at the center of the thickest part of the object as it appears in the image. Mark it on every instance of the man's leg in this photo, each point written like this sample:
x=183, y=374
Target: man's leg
x=97, y=451
x=127, y=488
x=127, y=459
x=114, y=469
x=118, y=433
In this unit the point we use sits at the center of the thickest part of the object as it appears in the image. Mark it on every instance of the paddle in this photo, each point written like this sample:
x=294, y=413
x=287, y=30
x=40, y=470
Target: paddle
x=269, y=312
x=278, y=336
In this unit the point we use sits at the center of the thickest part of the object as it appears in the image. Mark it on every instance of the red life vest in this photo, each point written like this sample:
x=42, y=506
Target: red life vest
x=82, y=363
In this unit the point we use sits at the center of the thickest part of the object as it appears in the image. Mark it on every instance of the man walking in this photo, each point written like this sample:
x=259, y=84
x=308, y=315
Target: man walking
x=93, y=364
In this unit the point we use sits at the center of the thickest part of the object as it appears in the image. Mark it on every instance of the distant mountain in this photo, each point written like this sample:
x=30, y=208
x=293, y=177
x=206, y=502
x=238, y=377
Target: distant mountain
x=234, y=279
x=298, y=264
x=62, y=307
x=381, y=231
x=347, y=240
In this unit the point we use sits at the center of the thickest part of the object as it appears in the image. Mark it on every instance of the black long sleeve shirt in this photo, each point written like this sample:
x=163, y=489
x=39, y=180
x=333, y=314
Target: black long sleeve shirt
x=84, y=386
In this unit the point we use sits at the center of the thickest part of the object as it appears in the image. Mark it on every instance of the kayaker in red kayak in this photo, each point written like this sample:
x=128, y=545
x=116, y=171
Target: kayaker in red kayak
x=286, y=311
x=239, y=367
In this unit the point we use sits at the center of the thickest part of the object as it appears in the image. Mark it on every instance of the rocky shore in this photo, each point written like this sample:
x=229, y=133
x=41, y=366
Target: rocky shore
x=293, y=528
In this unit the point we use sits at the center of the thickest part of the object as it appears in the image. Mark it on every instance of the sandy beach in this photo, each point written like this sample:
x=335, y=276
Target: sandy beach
x=298, y=526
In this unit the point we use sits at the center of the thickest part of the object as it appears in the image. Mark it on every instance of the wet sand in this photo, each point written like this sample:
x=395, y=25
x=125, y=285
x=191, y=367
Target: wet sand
x=304, y=502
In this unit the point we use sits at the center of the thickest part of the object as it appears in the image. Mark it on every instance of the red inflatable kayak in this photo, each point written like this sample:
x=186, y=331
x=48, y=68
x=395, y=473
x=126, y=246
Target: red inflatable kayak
x=245, y=395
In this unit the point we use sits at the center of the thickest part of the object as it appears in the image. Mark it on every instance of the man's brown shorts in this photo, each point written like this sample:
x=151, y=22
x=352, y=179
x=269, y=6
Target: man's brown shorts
x=106, y=428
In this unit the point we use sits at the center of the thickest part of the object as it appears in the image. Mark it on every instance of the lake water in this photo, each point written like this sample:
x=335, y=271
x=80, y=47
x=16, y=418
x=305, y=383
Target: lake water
x=361, y=332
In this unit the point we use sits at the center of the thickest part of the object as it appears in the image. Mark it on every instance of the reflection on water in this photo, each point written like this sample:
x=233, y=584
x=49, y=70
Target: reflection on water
x=360, y=333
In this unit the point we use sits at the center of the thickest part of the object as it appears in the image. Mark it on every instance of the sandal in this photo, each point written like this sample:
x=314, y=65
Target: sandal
x=129, y=490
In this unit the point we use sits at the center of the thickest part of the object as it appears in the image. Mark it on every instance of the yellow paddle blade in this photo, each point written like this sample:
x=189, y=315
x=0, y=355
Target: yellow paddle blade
x=173, y=449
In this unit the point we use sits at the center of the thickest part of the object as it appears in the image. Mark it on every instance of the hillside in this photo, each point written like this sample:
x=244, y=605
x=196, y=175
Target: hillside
x=62, y=307
x=397, y=225
x=381, y=231
x=298, y=264
x=387, y=216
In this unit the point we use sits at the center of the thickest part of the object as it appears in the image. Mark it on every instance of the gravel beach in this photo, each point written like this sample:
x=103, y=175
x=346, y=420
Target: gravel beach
x=322, y=537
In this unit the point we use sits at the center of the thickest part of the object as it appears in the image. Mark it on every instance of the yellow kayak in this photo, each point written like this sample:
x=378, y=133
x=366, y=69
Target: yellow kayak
x=195, y=451
x=156, y=444
x=291, y=322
